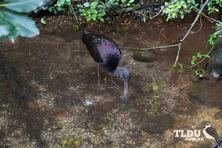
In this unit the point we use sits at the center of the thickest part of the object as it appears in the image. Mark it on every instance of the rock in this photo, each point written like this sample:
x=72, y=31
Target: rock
x=158, y=124
x=144, y=56
x=107, y=104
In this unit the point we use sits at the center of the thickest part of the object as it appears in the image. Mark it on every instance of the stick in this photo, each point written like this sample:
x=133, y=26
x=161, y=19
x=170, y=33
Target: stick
x=151, y=48
x=191, y=27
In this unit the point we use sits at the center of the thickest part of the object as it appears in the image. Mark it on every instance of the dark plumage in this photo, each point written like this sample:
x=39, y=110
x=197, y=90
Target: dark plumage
x=107, y=54
x=215, y=64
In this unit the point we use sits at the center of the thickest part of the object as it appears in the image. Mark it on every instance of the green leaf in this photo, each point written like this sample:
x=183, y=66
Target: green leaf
x=193, y=62
x=85, y=13
x=60, y=2
x=94, y=4
x=88, y=19
x=136, y=5
x=101, y=19
x=43, y=21
x=199, y=55
x=93, y=11
x=207, y=56
x=131, y=1
x=60, y=9
x=194, y=57
x=4, y=29
x=22, y=24
x=13, y=34
x=180, y=65
x=81, y=10
x=22, y=5
x=101, y=6
x=202, y=70
x=79, y=5
x=93, y=17
x=197, y=72
x=86, y=4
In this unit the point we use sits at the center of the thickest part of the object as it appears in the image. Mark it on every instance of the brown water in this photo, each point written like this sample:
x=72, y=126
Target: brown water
x=63, y=102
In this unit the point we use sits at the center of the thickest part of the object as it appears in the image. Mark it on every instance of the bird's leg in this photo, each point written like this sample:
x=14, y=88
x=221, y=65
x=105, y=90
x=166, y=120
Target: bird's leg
x=111, y=78
x=98, y=75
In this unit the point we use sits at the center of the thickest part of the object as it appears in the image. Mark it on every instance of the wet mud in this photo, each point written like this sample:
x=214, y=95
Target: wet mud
x=51, y=98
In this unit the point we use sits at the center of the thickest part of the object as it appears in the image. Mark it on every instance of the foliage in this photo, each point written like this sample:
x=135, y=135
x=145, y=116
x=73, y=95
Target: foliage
x=173, y=8
x=13, y=22
x=199, y=71
x=178, y=66
x=94, y=10
x=59, y=6
x=97, y=9
x=213, y=6
x=215, y=35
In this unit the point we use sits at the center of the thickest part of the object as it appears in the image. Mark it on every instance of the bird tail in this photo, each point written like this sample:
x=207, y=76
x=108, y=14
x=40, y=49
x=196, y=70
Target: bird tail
x=218, y=143
x=85, y=31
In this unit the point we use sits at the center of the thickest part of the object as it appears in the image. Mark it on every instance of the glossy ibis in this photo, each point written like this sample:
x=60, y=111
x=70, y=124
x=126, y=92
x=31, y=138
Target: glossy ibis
x=215, y=64
x=107, y=54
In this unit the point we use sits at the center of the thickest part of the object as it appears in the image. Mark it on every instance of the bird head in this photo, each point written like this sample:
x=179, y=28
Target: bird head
x=124, y=74
x=206, y=124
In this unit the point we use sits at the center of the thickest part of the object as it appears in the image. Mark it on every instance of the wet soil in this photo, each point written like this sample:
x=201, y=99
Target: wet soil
x=61, y=105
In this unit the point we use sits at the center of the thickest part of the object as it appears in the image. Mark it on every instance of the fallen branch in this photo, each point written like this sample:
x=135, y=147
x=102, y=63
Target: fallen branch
x=188, y=32
x=151, y=48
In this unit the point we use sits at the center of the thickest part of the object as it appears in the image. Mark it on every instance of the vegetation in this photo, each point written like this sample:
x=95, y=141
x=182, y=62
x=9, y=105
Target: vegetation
x=15, y=23
x=60, y=5
x=98, y=9
x=199, y=71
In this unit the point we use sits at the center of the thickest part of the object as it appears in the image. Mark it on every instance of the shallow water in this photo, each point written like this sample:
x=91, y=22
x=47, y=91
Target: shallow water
x=64, y=101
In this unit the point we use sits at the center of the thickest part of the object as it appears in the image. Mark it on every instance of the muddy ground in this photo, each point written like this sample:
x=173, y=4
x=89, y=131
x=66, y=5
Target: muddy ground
x=50, y=98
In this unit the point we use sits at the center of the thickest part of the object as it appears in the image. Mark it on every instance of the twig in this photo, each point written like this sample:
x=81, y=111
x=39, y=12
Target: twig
x=152, y=17
x=191, y=27
x=209, y=18
x=151, y=48
x=201, y=25
x=74, y=13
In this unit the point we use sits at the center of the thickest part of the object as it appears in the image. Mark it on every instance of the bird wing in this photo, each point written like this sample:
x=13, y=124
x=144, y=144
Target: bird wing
x=211, y=131
x=110, y=53
x=104, y=51
x=111, y=62
x=91, y=43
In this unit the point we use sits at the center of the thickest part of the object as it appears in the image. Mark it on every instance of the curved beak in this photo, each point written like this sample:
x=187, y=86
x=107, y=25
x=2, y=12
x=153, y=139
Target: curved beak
x=125, y=92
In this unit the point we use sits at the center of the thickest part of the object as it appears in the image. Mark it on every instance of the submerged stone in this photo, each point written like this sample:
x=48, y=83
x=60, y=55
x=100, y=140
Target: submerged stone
x=158, y=124
x=214, y=66
x=144, y=56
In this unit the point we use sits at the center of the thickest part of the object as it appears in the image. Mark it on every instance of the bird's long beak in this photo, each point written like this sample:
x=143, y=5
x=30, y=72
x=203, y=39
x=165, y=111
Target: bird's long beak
x=125, y=93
